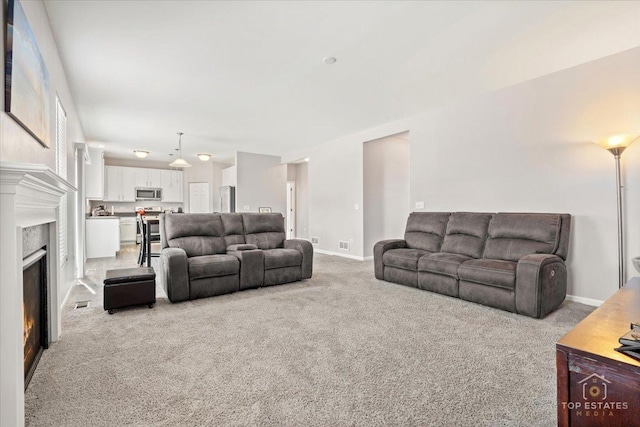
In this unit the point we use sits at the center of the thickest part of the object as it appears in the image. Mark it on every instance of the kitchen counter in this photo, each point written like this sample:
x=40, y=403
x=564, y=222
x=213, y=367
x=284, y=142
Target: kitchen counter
x=104, y=217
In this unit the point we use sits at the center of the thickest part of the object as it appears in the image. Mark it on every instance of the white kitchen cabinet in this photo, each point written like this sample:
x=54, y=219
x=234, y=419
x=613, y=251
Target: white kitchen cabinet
x=102, y=237
x=119, y=187
x=172, y=190
x=127, y=190
x=113, y=179
x=127, y=229
x=148, y=178
x=94, y=175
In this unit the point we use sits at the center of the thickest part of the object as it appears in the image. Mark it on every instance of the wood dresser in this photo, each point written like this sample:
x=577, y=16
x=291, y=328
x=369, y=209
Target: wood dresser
x=598, y=386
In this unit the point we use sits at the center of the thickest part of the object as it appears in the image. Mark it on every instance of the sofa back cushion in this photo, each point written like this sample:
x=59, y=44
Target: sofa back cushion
x=425, y=230
x=266, y=231
x=233, y=230
x=466, y=233
x=197, y=234
x=514, y=235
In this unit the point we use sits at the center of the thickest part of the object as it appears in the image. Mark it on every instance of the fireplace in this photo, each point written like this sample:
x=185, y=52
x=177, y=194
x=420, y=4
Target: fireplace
x=35, y=336
x=30, y=196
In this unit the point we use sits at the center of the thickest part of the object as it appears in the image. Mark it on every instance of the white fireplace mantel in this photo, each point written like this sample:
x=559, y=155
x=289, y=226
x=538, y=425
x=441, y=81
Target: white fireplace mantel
x=30, y=195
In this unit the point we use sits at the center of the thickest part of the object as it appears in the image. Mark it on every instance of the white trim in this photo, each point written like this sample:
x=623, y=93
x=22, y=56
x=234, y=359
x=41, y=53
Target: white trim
x=66, y=297
x=368, y=258
x=587, y=301
x=324, y=252
x=30, y=194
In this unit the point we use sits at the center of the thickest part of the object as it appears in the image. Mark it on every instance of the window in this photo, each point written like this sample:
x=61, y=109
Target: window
x=61, y=169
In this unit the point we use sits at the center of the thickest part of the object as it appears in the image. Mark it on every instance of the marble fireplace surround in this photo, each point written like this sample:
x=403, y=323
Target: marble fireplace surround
x=30, y=195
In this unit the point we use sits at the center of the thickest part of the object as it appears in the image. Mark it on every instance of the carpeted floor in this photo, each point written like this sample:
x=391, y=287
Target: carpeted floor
x=340, y=349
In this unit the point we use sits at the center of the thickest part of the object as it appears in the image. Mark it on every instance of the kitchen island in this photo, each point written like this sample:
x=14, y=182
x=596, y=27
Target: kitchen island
x=102, y=236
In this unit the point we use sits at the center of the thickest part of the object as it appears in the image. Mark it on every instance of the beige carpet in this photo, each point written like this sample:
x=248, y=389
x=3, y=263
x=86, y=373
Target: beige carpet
x=340, y=349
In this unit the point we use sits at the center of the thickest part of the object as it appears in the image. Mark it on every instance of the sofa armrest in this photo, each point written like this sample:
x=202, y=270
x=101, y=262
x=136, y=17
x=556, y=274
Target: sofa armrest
x=379, y=249
x=541, y=284
x=306, y=249
x=241, y=247
x=251, y=267
x=175, y=274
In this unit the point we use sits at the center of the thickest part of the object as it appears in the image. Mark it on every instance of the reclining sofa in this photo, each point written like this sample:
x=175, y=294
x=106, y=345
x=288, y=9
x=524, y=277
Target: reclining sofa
x=510, y=261
x=205, y=255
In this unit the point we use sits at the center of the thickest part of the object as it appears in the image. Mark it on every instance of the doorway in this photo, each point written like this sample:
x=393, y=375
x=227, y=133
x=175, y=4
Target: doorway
x=386, y=178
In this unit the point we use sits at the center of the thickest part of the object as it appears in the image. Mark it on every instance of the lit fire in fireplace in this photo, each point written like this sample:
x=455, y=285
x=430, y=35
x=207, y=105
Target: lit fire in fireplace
x=28, y=330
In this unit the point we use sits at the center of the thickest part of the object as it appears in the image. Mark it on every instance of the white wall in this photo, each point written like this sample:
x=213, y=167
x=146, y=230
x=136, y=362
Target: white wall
x=301, y=174
x=386, y=189
x=523, y=148
x=229, y=176
x=17, y=145
x=261, y=182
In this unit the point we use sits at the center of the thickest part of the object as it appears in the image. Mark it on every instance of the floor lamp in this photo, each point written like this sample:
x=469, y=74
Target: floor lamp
x=616, y=144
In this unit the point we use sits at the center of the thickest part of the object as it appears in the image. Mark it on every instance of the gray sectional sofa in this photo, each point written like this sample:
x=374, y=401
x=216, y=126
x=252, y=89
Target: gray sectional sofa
x=212, y=254
x=510, y=261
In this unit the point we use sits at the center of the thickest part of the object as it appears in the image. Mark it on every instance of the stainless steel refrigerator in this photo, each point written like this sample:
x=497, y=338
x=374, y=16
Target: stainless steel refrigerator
x=227, y=199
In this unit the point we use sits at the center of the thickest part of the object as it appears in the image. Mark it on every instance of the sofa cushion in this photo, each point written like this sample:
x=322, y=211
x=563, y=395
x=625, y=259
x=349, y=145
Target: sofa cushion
x=466, y=233
x=425, y=230
x=197, y=234
x=233, y=230
x=279, y=258
x=442, y=263
x=212, y=266
x=266, y=231
x=514, y=235
x=490, y=272
x=404, y=258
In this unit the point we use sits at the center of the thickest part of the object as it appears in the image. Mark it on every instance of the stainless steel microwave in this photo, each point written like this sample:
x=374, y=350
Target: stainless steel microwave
x=153, y=194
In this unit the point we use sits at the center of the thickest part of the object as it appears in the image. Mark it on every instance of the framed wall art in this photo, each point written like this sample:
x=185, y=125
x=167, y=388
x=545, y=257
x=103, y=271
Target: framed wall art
x=26, y=96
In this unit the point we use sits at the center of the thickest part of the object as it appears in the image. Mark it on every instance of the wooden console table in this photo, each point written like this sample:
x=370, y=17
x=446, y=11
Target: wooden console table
x=598, y=386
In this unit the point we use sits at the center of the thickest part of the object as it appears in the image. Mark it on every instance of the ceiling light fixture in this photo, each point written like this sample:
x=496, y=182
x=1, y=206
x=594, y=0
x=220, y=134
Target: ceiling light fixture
x=180, y=162
x=204, y=156
x=141, y=154
x=329, y=60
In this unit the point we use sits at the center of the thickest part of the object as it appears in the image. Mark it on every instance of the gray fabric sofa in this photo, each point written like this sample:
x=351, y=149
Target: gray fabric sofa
x=510, y=261
x=213, y=254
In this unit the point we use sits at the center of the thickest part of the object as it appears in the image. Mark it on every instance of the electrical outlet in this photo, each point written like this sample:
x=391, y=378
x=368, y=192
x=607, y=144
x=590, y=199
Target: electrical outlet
x=246, y=208
x=315, y=240
x=356, y=206
x=343, y=245
x=419, y=205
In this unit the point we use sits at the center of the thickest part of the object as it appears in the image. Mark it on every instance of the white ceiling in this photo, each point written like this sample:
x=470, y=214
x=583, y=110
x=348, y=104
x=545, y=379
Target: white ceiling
x=249, y=76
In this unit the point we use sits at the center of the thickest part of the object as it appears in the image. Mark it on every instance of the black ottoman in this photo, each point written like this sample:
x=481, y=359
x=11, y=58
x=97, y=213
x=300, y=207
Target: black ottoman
x=129, y=286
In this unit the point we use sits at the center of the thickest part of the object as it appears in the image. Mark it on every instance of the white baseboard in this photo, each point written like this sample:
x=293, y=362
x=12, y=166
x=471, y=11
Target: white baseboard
x=587, y=301
x=66, y=297
x=368, y=258
x=324, y=252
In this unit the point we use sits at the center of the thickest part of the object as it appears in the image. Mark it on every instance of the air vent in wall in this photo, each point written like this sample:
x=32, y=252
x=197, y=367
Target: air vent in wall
x=344, y=245
x=315, y=240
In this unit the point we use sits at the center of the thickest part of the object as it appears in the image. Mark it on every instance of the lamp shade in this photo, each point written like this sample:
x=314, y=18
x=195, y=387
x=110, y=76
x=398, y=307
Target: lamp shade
x=180, y=163
x=617, y=143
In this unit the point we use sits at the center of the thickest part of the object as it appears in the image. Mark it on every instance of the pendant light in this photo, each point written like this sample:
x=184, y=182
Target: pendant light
x=180, y=162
